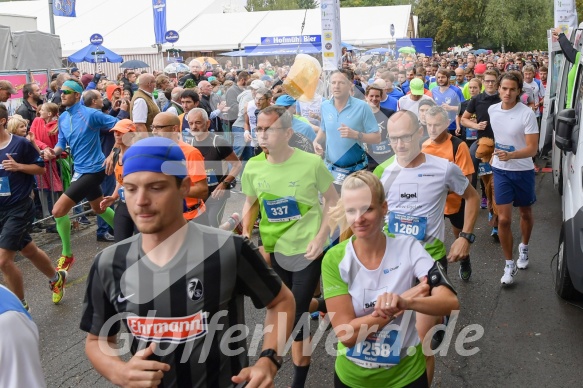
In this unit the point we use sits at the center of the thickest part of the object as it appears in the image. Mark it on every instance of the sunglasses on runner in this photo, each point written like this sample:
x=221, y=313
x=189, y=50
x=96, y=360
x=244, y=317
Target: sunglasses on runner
x=66, y=92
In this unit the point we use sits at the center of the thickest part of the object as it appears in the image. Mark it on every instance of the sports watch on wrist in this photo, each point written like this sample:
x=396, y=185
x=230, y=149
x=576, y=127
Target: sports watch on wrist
x=468, y=236
x=272, y=355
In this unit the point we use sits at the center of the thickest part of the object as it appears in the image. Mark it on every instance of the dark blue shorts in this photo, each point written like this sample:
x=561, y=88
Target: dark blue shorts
x=516, y=187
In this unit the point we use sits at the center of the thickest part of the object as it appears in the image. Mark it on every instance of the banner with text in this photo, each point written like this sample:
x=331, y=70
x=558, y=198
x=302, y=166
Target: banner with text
x=330, y=15
x=64, y=8
x=565, y=14
x=159, y=7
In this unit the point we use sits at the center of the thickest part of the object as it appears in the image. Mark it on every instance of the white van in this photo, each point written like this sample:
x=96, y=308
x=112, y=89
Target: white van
x=560, y=128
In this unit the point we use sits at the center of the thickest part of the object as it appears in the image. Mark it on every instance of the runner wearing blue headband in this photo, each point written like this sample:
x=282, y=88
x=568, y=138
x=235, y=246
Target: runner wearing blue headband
x=79, y=128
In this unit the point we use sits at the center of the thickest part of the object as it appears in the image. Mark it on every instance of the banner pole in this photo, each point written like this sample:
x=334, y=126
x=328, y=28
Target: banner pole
x=51, y=17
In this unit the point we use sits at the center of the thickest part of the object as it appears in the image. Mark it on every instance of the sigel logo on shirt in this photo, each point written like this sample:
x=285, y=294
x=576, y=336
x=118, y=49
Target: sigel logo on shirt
x=408, y=191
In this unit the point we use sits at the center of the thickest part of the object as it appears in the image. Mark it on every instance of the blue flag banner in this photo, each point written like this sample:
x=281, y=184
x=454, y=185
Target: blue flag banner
x=159, y=7
x=64, y=8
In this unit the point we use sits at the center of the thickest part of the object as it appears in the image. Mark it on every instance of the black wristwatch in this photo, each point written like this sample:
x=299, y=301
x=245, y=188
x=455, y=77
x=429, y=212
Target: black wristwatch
x=468, y=236
x=272, y=355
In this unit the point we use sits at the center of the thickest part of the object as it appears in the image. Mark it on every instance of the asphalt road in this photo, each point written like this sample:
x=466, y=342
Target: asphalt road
x=530, y=336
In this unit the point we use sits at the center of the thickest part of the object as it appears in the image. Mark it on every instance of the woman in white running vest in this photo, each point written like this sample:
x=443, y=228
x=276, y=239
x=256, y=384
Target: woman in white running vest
x=369, y=286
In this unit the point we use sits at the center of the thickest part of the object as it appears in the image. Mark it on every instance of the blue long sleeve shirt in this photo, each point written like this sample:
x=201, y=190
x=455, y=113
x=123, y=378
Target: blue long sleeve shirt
x=79, y=127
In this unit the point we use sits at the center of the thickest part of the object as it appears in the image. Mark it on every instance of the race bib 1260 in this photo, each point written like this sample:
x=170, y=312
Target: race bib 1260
x=406, y=224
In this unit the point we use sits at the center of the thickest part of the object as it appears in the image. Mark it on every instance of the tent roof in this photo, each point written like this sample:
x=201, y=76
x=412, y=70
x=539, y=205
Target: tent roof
x=246, y=29
x=127, y=26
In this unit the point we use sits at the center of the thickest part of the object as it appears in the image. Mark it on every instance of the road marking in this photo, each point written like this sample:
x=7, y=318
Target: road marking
x=82, y=279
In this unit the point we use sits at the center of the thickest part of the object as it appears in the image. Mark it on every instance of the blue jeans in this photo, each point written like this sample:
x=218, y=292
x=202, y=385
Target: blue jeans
x=241, y=148
x=107, y=186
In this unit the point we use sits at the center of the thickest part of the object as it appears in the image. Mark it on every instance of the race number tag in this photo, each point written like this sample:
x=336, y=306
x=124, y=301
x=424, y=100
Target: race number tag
x=5, y=187
x=282, y=209
x=339, y=174
x=76, y=176
x=122, y=194
x=211, y=177
x=409, y=225
x=378, y=350
x=381, y=148
x=484, y=169
x=471, y=134
x=504, y=147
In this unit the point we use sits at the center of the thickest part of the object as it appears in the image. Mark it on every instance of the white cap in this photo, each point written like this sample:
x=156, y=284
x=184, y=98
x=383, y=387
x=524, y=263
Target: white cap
x=256, y=84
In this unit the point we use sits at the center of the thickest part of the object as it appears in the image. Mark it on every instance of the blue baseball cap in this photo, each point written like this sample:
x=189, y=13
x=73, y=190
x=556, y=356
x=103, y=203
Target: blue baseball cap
x=285, y=100
x=155, y=154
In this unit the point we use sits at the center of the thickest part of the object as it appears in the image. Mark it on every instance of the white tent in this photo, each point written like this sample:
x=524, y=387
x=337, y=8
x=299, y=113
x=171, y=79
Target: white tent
x=203, y=25
x=127, y=26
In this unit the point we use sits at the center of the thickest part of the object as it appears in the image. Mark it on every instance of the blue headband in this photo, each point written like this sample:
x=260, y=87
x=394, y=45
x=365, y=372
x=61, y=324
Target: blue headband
x=73, y=85
x=155, y=154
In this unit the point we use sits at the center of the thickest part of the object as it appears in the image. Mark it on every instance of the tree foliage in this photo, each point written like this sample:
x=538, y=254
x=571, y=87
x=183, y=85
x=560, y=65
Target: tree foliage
x=272, y=5
x=372, y=3
x=517, y=26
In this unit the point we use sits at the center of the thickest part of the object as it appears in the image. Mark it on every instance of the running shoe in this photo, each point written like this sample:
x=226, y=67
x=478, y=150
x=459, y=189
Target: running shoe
x=58, y=287
x=484, y=203
x=236, y=221
x=509, y=271
x=83, y=220
x=439, y=335
x=465, y=269
x=65, y=263
x=25, y=305
x=494, y=234
x=522, y=262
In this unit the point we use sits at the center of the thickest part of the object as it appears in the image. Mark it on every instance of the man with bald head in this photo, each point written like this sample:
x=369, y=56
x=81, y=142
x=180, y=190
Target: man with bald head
x=205, y=91
x=143, y=108
x=196, y=73
x=168, y=125
x=217, y=152
x=460, y=77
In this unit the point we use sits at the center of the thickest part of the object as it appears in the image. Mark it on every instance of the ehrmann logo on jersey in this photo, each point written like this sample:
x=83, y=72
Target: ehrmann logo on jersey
x=168, y=329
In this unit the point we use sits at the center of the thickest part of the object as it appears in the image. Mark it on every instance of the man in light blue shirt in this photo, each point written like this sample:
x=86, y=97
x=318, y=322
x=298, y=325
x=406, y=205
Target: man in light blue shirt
x=346, y=124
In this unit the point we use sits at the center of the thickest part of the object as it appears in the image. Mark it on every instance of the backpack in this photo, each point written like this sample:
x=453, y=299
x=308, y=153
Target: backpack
x=455, y=141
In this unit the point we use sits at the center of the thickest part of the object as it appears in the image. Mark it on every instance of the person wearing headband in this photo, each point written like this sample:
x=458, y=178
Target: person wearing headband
x=79, y=128
x=182, y=275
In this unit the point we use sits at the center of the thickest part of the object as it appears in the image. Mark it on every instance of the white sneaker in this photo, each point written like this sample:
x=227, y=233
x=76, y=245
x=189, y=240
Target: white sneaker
x=509, y=271
x=522, y=261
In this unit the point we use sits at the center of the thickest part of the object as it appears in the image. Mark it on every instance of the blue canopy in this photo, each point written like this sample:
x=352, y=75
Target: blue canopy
x=84, y=55
x=282, y=49
x=378, y=51
x=238, y=53
x=348, y=46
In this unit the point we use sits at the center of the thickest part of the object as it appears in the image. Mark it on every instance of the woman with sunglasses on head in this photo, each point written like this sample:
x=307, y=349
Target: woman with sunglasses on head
x=369, y=283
